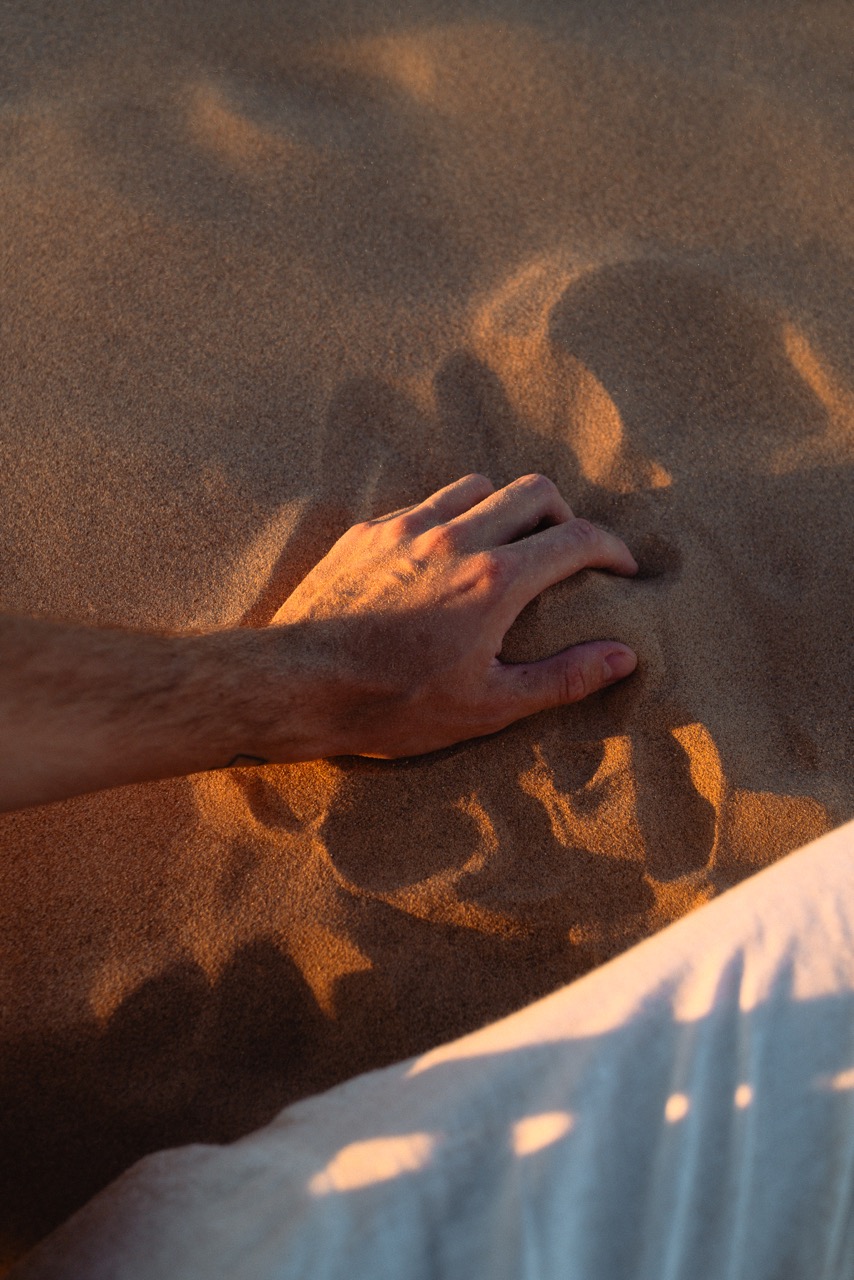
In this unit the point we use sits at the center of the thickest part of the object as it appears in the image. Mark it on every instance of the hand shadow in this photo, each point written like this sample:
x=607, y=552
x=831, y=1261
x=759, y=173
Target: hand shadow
x=477, y=879
x=704, y=392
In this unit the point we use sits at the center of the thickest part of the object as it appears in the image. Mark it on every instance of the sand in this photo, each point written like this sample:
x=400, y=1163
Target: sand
x=269, y=268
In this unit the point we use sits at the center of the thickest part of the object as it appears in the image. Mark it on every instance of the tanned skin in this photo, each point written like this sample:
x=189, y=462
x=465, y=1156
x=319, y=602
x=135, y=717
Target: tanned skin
x=389, y=647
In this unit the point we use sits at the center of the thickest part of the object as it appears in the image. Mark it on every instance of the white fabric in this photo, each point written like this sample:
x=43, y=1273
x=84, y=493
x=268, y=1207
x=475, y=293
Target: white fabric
x=686, y=1111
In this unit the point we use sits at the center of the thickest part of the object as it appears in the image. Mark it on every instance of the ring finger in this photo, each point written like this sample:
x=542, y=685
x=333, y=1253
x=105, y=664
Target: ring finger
x=558, y=553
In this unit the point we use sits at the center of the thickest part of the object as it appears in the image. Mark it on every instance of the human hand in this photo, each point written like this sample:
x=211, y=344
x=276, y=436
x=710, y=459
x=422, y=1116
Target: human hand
x=389, y=647
x=399, y=627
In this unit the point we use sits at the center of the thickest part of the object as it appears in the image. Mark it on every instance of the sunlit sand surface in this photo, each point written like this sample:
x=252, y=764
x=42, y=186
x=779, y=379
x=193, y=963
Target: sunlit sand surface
x=268, y=270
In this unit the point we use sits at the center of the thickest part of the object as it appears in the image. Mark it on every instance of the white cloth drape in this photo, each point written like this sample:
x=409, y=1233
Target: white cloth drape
x=684, y=1112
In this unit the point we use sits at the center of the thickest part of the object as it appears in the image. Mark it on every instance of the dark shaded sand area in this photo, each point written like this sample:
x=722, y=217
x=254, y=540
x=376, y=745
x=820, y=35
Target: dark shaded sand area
x=268, y=268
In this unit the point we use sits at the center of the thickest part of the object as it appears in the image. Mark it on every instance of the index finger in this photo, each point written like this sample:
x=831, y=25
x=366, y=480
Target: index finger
x=562, y=550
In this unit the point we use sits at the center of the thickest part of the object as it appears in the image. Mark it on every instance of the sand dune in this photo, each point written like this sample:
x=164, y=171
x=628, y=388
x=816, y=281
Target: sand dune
x=268, y=269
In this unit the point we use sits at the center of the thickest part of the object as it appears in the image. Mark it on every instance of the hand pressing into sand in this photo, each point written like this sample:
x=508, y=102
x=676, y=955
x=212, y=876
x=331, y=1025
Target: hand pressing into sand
x=388, y=647
x=405, y=617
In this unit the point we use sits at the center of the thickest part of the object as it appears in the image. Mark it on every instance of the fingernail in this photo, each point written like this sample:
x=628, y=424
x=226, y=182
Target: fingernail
x=619, y=663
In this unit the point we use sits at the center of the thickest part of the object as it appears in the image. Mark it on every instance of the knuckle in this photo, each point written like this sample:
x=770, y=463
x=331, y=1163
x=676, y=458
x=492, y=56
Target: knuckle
x=583, y=531
x=536, y=480
x=356, y=531
x=399, y=527
x=396, y=527
x=493, y=570
x=437, y=541
x=575, y=682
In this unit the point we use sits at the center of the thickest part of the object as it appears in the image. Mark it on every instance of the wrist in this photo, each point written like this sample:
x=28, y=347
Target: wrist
x=270, y=696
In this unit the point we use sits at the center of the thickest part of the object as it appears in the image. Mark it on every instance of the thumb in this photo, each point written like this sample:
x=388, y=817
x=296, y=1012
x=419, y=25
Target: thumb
x=568, y=676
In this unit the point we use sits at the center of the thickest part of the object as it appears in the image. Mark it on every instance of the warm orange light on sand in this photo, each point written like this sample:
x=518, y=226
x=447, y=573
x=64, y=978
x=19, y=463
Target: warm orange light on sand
x=325, y=956
x=533, y=1133
x=570, y=825
x=832, y=444
x=704, y=759
x=547, y=388
x=600, y=436
x=404, y=60
x=361, y=1164
x=814, y=371
x=659, y=476
x=221, y=127
x=517, y=311
x=510, y=333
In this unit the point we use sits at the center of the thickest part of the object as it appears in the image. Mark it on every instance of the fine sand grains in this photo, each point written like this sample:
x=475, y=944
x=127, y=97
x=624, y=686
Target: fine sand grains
x=267, y=269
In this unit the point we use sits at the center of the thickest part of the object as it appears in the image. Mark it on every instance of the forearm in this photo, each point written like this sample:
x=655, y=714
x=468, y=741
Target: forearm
x=389, y=647
x=85, y=708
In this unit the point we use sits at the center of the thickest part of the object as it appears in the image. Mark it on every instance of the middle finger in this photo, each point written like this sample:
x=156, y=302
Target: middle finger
x=511, y=513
